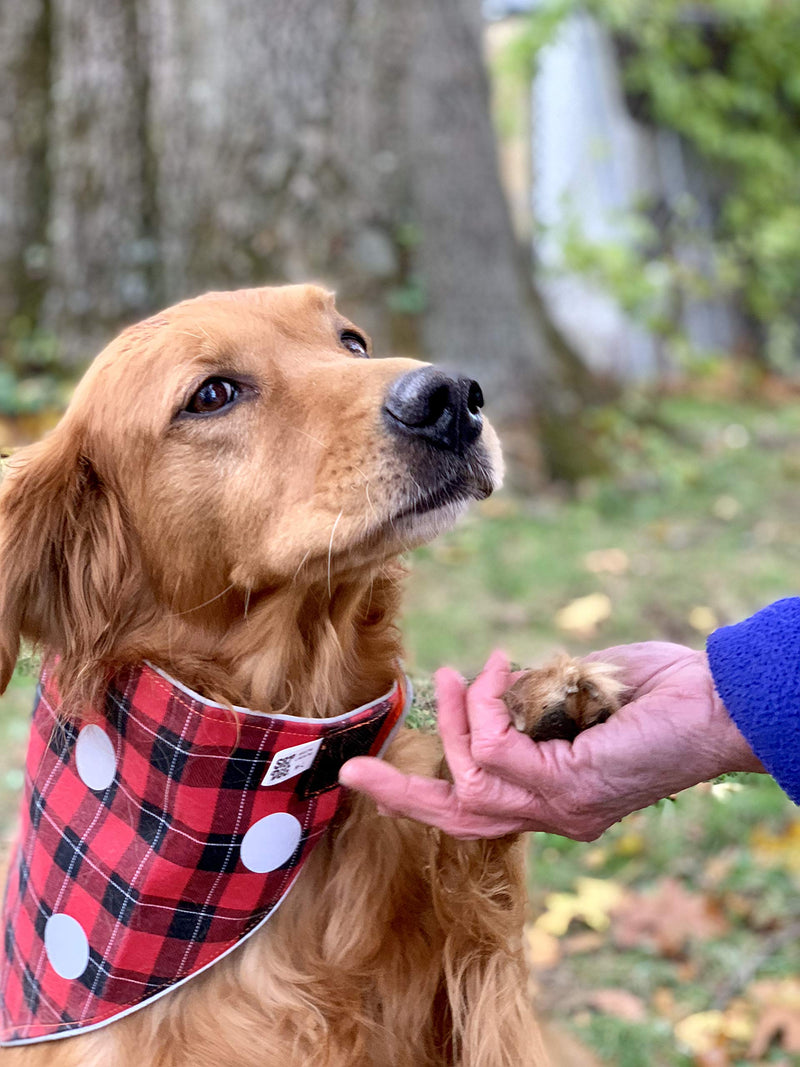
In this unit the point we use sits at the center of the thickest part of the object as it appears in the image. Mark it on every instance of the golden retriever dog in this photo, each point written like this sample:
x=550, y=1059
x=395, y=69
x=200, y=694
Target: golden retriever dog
x=226, y=499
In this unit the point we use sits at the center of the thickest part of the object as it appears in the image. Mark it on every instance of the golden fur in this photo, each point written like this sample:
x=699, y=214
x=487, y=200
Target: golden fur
x=253, y=555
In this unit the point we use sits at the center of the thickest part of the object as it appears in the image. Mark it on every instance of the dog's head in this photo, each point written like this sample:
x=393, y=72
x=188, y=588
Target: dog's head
x=234, y=442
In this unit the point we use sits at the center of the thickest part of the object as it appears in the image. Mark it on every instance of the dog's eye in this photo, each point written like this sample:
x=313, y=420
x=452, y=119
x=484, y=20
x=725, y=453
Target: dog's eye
x=354, y=343
x=213, y=395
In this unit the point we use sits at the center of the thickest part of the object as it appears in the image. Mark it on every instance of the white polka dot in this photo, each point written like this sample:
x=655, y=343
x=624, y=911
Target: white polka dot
x=94, y=758
x=270, y=842
x=66, y=945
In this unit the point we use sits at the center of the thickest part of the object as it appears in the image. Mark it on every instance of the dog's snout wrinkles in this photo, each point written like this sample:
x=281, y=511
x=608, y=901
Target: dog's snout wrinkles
x=442, y=409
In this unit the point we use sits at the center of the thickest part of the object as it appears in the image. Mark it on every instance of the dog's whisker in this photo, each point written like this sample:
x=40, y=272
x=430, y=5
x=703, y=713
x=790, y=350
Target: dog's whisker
x=300, y=566
x=330, y=551
x=302, y=432
x=205, y=603
x=369, y=499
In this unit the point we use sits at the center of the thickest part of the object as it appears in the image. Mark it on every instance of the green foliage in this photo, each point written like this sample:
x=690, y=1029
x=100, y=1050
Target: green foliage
x=409, y=298
x=725, y=76
x=31, y=377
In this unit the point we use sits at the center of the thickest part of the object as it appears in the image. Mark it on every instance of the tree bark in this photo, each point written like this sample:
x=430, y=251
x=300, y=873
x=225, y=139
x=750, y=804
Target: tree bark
x=24, y=87
x=98, y=252
x=224, y=144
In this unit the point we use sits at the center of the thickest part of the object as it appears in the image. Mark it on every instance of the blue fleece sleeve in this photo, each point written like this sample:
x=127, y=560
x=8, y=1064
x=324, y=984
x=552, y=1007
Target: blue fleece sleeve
x=756, y=669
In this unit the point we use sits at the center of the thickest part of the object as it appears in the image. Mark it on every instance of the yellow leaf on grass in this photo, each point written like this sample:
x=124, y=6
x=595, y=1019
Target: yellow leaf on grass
x=726, y=508
x=664, y=1003
x=581, y=617
x=725, y=790
x=777, y=850
x=703, y=619
x=606, y=561
x=629, y=844
x=591, y=903
x=542, y=949
x=707, y=1030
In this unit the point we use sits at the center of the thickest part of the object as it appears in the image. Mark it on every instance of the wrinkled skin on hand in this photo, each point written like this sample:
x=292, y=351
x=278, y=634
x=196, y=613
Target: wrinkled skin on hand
x=673, y=733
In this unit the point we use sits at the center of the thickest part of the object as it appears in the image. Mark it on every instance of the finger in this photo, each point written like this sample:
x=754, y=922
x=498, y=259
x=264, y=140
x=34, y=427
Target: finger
x=487, y=715
x=476, y=791
x=453, y=725
x=427, y=800
x=495, y=745
x=480, y=791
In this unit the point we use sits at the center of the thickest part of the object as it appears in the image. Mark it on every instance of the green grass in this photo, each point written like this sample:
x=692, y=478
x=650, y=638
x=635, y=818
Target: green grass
x=706, y=844
x=702, y=521
x=15, y=708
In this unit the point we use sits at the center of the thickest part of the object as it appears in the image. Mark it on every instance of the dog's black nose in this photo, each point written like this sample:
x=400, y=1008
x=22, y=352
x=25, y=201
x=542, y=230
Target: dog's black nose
x=429, y=403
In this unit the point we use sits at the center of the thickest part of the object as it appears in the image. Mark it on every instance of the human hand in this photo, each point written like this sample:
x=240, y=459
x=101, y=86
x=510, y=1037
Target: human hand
x=673, y=733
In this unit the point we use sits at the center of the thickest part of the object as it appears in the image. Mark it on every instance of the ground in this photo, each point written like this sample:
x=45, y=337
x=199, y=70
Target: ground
x=674, y=939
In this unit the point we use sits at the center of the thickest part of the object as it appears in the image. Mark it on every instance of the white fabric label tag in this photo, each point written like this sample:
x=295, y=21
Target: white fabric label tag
x=291, y=761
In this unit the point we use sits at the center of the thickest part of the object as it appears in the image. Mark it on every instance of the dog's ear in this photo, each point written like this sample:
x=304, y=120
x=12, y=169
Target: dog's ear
x=67, y=557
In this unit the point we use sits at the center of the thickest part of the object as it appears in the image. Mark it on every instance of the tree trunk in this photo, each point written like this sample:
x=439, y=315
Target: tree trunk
x=24, y=82
x=98, y=274
x=222, y=144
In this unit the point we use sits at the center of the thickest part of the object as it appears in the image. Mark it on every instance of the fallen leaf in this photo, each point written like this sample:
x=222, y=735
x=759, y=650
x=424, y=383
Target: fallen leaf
x=620, y=1003
x=592, y=904
x=726, y=508
x=666, y=919
x=581, y=617
x=542, y=949
x=629, y=844
x=703, y=619
x=725, y=790
x=740, y=906
x=777, y=850
x=715, y=1057
x=701, y=1032
x=782, y=992
x=735, y=436
x=583, y=942
x=779, y=1026
x=707, y=1031
x=607, y=561
x=665, y=1004
x=686, y=970
x=717, y=868
x=595, y=858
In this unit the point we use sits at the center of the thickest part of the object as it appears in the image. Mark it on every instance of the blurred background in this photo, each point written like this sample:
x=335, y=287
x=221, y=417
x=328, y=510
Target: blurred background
x=594, y=209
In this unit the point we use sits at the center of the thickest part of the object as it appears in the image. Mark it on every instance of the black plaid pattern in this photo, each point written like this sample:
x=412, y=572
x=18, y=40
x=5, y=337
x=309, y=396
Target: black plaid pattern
x=153, y=825
x=190, y=923
x=120, y=899
x=70, y=852
x=36, y=807
x=170, y=753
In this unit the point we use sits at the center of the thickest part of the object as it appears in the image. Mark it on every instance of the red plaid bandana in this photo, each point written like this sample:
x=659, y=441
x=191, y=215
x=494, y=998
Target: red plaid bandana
x=153, y=844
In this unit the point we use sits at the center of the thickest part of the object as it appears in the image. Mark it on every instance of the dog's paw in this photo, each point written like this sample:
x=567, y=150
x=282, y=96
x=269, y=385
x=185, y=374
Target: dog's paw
x=563, y=698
